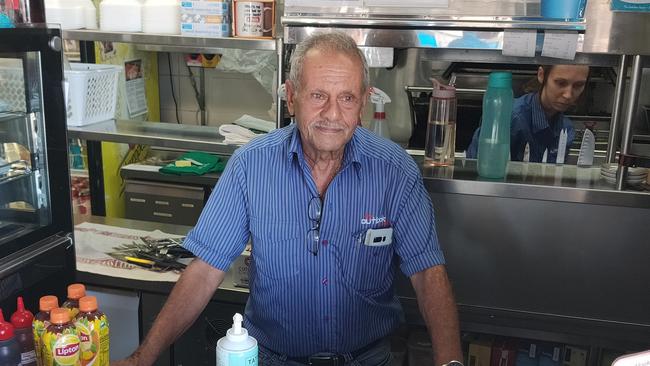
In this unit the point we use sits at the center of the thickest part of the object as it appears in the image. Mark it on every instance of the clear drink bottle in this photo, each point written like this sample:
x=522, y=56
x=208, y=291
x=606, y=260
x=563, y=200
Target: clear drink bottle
x=494, y=138
x=440, y=143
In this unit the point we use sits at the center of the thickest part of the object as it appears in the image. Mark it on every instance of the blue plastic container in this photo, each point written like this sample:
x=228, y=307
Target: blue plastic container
x=494, y=138
x=563, y=9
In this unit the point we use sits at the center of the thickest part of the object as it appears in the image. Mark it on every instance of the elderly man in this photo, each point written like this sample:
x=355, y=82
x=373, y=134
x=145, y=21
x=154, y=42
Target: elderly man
x=329, y=207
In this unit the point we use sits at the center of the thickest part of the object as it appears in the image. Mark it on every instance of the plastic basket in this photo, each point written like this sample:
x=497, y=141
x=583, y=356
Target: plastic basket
x=92, y=93
x=12, y=90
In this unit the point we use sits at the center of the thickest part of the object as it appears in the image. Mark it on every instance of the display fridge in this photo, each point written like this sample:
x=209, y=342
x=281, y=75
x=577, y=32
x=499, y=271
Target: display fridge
x=36, y=243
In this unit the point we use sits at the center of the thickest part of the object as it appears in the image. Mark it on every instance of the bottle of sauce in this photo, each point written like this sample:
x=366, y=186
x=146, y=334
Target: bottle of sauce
x=93, y=329
x=9, y=348
x=75, y=292
x=237, y=348
x=61, y=340
x=22, y=320
x=40, y=324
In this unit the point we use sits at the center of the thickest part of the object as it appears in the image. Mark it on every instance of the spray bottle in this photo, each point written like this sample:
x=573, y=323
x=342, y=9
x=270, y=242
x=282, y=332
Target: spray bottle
x=379, y=123
x=237, y=348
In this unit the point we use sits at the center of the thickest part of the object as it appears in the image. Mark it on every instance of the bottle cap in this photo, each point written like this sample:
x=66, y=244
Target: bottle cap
x=442, y=91
x=76, y=291
x=21, y=318
x=88, y=304
x=6, y=329
x=59, y=316
x=47, y=303
x=500, y=79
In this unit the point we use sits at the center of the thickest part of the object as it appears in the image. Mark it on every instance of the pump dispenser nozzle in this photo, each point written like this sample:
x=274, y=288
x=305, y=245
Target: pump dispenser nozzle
x=236, y=324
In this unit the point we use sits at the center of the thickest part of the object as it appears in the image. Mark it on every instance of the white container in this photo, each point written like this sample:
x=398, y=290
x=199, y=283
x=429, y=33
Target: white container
x=71, y=14
x=205, y=18
x=161, y=16
x=90, y=15
x=120, y=16
x=237, y=348
x=92, y=93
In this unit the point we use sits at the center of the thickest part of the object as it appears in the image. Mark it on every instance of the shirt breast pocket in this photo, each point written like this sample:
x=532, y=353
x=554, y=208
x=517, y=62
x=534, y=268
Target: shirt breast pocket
x=278, y=248
x=366, y=268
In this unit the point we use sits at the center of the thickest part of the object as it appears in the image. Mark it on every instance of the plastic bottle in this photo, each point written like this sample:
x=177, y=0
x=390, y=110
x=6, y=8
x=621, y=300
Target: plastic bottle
x=61, y=341
x=237, y=348
x=75, y=292
x=40, y=324
x=9, y=347
x=92, y=326
x=22, y=320
x=494, y=138
x=440, y=144
x=379, y=124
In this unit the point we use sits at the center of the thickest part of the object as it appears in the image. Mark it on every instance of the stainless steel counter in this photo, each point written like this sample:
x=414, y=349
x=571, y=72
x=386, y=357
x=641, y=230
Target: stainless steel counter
x=547, y=182
x=167, y=135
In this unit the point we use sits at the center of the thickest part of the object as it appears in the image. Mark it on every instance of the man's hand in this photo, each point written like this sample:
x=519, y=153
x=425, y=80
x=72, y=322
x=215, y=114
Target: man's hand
x=130, y=361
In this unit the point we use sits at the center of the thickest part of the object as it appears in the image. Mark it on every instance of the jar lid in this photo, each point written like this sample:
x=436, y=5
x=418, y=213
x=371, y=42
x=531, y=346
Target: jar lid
x=500, y=79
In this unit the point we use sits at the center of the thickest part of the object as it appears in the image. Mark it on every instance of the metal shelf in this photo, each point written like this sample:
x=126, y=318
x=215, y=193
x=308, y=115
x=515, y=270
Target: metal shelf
x=166, y=135
x=166, y=42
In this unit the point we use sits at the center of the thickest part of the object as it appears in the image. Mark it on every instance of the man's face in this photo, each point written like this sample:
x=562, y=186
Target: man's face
x=329, y=100
x=563, y=87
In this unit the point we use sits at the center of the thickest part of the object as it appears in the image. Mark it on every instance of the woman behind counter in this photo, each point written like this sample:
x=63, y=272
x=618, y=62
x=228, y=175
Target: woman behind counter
x=538, y=117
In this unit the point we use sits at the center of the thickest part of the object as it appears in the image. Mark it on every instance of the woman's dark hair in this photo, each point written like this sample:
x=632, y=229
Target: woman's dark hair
x=533, y=85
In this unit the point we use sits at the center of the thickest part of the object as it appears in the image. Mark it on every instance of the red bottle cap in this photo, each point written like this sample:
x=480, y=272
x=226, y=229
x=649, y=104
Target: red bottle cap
x=21, y=318
x=6, y=329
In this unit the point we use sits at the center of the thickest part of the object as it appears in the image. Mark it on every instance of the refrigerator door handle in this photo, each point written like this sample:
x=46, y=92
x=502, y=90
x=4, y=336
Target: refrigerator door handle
x=22, y=258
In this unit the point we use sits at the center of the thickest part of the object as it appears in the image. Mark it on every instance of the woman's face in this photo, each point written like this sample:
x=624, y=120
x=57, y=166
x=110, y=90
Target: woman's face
x=563, y=86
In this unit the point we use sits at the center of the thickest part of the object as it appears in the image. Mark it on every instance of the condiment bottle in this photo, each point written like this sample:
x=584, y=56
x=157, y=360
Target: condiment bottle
x=237, y=348
x=93, y=330
x=440, y=143
x=40, y=324
x=61, y=341
x=494, y=138
x=75, y=292
x=22, y=320
x=9, y=347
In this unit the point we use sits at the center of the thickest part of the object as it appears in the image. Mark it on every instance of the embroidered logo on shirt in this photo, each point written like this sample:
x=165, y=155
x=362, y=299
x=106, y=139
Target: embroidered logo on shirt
x=370, y=219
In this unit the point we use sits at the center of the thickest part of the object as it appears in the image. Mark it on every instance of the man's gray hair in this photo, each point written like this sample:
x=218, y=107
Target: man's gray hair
x=334, y=42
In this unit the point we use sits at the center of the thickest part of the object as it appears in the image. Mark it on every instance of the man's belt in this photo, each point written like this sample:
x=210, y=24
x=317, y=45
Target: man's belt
x=332, y=359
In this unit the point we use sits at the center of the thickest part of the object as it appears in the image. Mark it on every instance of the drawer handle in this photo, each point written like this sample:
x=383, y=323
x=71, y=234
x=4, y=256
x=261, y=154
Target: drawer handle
x=139, y=200
x=162, y=214
x=188, y=205
x=162, y=203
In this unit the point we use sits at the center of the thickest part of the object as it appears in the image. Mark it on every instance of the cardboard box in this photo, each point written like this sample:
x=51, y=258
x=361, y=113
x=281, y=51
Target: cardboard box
x=527, y=354
x=209, y=18
x=240, y=269
x=574, y=356
x=550, y=354
x=504, y=353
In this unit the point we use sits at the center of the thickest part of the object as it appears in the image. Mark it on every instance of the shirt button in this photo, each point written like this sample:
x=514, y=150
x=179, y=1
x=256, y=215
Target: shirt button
x=325, y=242
x=324, y=281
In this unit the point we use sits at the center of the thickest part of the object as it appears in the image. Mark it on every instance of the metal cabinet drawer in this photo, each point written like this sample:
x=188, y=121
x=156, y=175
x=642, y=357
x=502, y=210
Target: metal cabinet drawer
x=163, y=202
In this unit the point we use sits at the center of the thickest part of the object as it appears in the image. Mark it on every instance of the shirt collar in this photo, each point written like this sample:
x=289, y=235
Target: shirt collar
x=539, y=120
x=351, y=154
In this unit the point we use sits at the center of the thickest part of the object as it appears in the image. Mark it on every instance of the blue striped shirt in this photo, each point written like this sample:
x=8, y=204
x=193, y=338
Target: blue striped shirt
x=530, y=126
x=341, y=299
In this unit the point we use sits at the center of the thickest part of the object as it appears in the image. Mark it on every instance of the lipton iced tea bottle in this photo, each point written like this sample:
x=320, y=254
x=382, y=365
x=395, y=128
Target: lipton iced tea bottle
x=60, y=340
x=75, y=292
x=22, y=320
x=40, y=324
x=92, y=327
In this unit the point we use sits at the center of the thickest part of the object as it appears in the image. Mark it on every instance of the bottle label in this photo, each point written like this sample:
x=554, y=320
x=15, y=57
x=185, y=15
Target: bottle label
x=38, y=328
x=93, y=337
x=248, y=358
x=28, y=358
x=61, y=349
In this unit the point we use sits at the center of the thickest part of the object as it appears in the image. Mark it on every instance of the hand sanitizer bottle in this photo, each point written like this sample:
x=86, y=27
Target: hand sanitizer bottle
x=237, y=348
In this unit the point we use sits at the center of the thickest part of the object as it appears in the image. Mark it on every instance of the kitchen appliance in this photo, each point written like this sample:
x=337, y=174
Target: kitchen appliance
x=36, y=245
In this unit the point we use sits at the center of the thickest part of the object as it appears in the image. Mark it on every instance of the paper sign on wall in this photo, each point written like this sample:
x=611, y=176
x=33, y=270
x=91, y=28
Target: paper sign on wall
x=559, y=44
x=519, y=42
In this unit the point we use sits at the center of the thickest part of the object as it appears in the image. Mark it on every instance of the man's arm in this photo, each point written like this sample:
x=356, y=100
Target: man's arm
x=438, y=308
x=187, y=300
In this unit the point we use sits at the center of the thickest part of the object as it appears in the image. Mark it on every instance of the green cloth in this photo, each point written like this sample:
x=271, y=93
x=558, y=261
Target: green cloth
x=210, y=164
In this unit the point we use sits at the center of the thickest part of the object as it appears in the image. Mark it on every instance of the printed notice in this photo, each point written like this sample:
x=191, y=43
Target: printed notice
x=519, y=42
x=559, y=44
x=136, y=101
